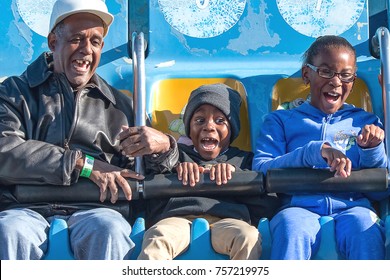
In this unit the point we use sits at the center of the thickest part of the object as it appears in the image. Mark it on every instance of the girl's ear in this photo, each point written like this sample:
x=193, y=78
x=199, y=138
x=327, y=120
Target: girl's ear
x=305, y=75
x=51, y=41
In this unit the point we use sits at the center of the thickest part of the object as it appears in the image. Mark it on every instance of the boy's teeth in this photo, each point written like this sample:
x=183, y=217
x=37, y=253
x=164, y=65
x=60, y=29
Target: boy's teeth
x=209, y=143
x=208, y=147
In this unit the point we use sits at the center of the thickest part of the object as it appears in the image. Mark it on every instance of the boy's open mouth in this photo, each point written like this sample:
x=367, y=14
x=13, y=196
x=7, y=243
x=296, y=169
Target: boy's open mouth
x=209, y=143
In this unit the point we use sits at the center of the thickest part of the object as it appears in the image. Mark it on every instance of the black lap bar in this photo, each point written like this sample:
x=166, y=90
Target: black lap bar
x=242, y=183
x=322, y=180
x=83, y=191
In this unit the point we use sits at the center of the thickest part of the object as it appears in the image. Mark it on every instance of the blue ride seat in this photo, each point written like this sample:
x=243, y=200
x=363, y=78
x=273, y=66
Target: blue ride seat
x=327, y=250
x=59, y=244
x=387, y=244
x=137, y=235
x=200, y=247
x=58, y=241
x=266, y=239
x=385, y=215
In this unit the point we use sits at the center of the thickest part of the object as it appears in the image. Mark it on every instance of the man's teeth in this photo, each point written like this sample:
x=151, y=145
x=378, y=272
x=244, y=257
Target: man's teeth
x=82, y=62
x=333, y=94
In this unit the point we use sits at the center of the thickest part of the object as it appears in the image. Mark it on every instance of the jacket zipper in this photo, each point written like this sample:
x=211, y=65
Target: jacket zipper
x=327, y=198
x=326, y=122
x=74, y=122
x=75, y=119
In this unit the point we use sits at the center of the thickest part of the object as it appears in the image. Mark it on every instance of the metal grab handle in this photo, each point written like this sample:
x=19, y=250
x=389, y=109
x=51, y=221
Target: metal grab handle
x=381, y=47
x=139, y=92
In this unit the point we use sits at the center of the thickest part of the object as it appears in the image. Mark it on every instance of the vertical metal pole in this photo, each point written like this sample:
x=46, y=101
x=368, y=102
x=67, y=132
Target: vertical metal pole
x=382, y=35
x=139, y=92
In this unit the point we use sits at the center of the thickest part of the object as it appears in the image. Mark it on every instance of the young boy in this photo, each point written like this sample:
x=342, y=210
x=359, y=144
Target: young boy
x=325, y=132
x=212, y=122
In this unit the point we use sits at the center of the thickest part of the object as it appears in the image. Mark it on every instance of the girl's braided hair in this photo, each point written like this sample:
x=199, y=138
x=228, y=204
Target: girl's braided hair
x=326, y=42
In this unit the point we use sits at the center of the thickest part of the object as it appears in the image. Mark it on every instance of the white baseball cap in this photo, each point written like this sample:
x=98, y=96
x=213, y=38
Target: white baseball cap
x=65, y=8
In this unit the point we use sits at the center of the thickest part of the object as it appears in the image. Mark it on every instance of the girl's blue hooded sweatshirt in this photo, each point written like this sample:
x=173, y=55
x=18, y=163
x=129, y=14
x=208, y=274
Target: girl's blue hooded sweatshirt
x=294, y=138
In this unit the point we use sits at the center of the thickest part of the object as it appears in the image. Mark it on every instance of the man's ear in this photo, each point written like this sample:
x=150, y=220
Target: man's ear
x=51, y=41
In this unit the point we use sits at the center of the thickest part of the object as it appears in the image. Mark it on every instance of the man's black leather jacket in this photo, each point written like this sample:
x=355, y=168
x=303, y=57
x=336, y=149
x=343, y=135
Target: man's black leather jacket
x=44, y=125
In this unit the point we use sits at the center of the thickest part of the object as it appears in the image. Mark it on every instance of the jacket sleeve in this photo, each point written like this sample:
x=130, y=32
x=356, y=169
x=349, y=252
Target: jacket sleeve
x=373, y=157
x=271, y=152
x=22, y=159
x=162, y=163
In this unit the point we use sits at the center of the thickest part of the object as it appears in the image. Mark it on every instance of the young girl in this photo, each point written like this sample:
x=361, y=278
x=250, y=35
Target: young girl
x=212, y=122
x=324, y=132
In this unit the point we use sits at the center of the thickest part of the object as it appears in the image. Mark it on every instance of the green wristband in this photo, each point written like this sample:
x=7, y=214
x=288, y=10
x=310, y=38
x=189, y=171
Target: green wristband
x=88, y=166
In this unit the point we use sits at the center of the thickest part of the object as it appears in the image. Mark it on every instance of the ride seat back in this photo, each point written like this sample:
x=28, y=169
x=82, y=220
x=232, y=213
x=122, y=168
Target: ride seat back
x=170, y=97
x=290, y=92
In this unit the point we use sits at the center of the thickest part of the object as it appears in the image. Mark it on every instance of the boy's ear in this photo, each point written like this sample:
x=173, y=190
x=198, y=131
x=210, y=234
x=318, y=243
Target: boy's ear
x=51, y=41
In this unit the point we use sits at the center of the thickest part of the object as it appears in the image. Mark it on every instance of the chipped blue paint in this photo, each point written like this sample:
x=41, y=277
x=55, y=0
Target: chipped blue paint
x=202, y=18
x=260, y=30
x=317, y=17
x=35, y=14
x=253, y=32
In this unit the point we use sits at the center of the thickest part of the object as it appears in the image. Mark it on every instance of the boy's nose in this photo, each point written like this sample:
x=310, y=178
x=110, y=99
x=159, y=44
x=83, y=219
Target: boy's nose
x=210, y=125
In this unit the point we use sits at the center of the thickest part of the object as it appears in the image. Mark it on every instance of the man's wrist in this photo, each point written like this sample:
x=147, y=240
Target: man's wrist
x=88, y=166
x=79, y=161
x=172, y=144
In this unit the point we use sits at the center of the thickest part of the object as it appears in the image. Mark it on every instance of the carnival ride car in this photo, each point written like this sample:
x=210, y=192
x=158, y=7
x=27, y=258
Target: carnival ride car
x=160, y=50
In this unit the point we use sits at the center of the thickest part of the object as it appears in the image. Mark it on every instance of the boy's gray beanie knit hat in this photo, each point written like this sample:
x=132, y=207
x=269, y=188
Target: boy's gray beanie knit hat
x=220, y=96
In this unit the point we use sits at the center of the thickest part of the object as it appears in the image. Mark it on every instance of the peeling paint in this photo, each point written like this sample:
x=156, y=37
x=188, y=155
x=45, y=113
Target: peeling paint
x=169, y=63
x=127, y=60
x=253, y=32
x=316, y=18
x=202, y=18
x=360, y=25
x=36, y=14
x=20, y=36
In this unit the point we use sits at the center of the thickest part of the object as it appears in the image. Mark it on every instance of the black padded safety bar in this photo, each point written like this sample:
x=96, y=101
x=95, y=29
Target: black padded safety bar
x=242, y=183
x=83, y=191
x=322, y=180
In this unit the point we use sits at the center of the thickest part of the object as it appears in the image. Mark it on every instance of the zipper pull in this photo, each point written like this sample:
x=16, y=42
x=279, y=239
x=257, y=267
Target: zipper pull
x=66, y=144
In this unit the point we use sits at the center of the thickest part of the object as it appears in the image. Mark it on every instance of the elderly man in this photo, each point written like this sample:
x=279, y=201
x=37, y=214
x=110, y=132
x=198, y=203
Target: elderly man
x=60, y=121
